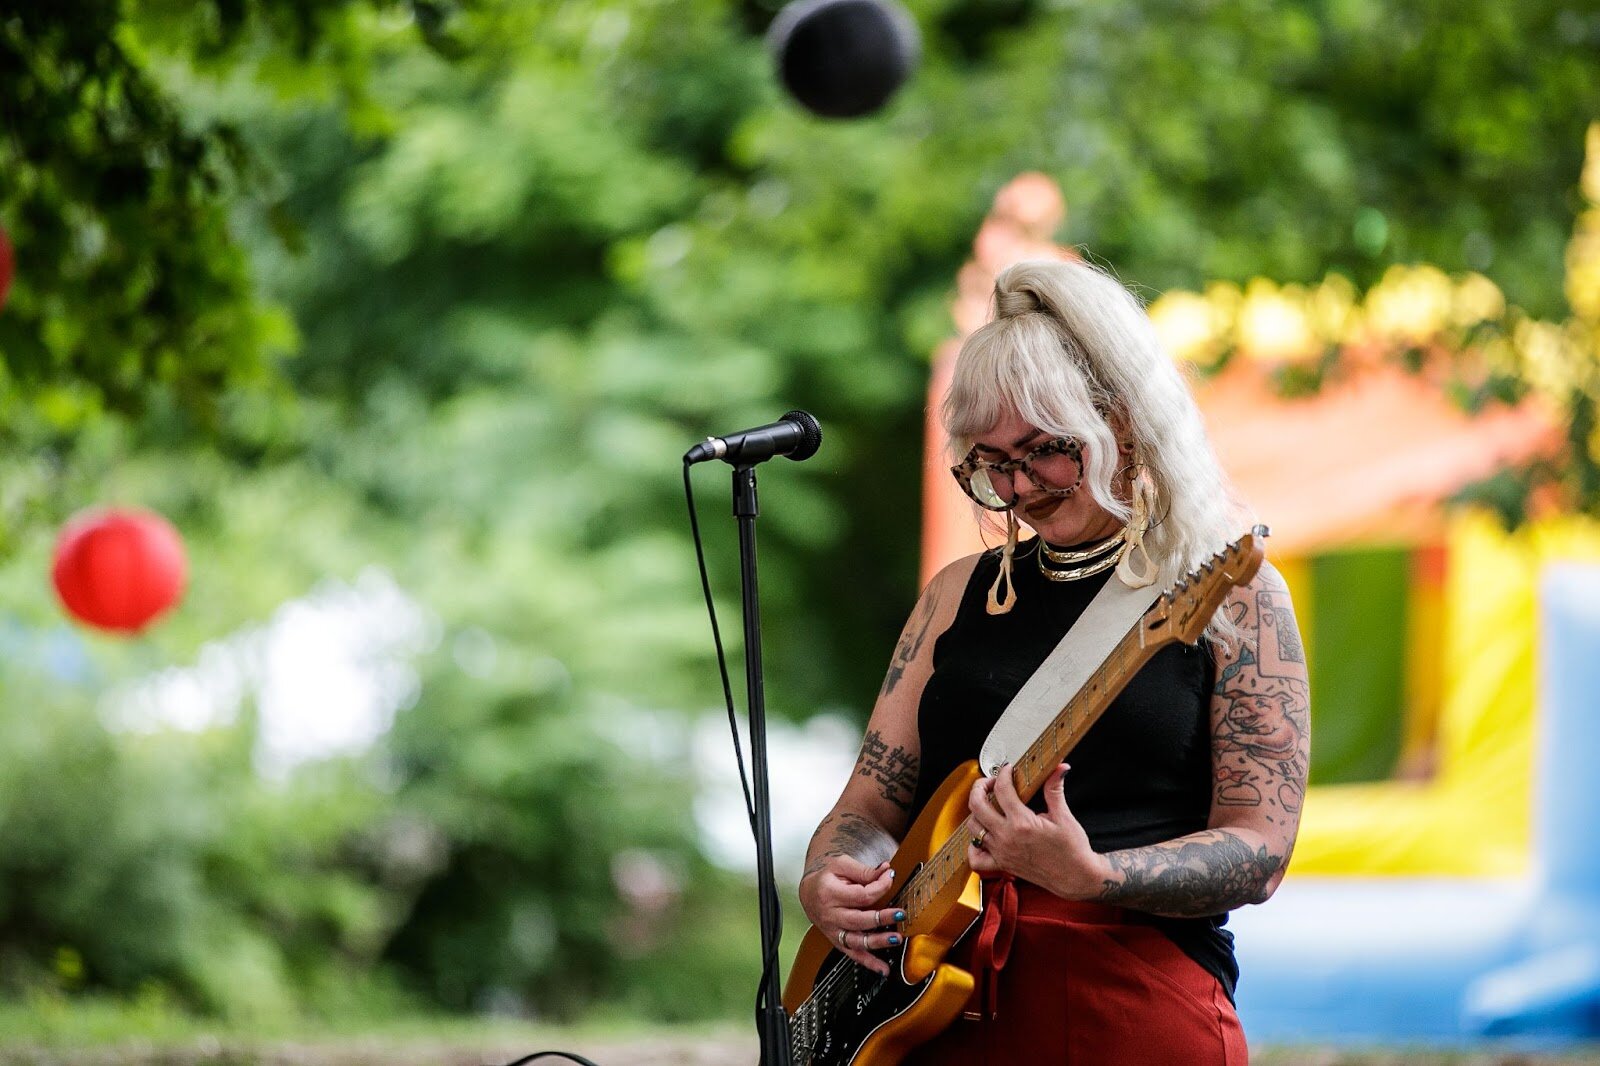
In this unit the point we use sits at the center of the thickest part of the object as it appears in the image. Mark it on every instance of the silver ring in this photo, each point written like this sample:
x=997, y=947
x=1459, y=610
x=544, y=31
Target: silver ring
x=844, y=939
x=877, y=917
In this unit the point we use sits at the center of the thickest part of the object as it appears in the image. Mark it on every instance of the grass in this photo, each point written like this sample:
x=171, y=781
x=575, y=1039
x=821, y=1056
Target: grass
x=46, y=1030
x=53, y=1031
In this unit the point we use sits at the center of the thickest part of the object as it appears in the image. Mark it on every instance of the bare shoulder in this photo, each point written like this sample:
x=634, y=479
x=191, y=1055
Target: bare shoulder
x=1269, y=578
x=953, y=577
x=941, y=598
x=935, y=610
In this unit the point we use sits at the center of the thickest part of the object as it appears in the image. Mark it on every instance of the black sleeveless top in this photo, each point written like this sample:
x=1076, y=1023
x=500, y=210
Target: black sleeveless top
x=1141, y=775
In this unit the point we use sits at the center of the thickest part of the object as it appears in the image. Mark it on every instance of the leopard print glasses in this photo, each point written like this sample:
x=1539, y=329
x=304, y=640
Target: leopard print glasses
x=1054, y=468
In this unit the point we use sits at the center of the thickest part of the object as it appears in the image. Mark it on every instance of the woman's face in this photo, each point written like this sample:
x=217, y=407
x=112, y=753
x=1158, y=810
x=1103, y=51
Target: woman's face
x=1058, y=519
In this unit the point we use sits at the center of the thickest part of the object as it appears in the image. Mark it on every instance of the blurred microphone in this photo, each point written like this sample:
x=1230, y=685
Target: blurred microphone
x=796, y=435
x=844, y=58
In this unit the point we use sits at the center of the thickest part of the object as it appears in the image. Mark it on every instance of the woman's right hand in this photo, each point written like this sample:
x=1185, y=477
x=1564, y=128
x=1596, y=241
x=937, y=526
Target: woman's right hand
x=842, y=898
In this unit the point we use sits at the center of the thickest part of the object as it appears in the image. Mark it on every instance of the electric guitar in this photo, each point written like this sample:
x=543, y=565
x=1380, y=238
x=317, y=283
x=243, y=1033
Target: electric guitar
x=843, y=1014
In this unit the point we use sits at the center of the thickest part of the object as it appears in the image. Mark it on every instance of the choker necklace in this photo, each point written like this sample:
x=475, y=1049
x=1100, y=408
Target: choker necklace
x=1110, y=552
x=1059, y=555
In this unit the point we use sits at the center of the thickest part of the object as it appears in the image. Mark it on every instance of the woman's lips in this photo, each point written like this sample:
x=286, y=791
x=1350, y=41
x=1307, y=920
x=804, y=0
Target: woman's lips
x=1039, y=510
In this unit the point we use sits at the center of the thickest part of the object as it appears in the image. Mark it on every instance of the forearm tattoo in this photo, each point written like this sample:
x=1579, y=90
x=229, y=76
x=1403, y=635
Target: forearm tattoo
x=1206, y=873
x=852, y=834
x=894, y=770
x=911, y=641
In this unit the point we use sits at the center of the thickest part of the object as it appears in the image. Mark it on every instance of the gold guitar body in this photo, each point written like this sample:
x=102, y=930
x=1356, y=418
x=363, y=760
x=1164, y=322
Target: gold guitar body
x=931, y=992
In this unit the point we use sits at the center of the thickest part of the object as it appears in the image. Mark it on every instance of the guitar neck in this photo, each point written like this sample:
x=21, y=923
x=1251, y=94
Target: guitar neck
x=1180, y=613
x=1033, y=768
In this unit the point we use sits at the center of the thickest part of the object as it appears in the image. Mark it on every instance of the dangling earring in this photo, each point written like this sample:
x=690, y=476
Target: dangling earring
x=1004, y=576
x=1144, y=507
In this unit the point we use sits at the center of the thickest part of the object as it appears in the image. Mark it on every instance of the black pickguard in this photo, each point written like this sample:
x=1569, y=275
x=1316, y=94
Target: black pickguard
x=851, y=1002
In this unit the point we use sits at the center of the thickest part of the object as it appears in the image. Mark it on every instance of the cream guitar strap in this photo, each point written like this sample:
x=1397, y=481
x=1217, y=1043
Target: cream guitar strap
x=1109, y=616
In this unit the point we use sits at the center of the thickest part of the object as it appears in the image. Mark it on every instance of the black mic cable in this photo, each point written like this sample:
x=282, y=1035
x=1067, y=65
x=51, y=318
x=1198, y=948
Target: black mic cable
x=797, y=435
x=769, y=959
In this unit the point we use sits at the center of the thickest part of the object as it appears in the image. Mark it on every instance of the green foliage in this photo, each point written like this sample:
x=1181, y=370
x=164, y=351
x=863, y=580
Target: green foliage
x=525, y=254
x=167, y=870
x=538, y=812
x=133, y=293
x=127, y=277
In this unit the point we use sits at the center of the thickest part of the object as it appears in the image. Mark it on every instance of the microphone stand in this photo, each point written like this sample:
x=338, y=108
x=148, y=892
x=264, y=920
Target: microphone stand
x=774, y=1024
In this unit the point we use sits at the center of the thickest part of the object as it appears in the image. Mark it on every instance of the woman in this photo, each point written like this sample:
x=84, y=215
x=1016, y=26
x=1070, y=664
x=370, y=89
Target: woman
x=1181, y=803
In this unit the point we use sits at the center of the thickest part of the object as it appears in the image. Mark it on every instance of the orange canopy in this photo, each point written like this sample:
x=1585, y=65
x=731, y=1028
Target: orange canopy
x=1368, y=460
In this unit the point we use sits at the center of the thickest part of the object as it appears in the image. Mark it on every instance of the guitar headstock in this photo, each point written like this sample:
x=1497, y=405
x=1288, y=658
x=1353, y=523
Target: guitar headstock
x=1182, y=612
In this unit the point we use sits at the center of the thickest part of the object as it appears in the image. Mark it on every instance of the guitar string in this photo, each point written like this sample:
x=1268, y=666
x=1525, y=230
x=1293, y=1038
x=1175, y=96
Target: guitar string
x=942, y=858
x=944, y=855
x=1030, y=757
x=925, y=884
x=847, y=966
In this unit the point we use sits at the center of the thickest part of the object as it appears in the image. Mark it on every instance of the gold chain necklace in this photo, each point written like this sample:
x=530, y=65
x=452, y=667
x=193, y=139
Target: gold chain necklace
x=1099, y=566
x=1057, y=555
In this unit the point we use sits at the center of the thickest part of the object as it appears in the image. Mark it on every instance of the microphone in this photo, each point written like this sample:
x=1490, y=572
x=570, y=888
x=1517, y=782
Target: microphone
x=796, y=435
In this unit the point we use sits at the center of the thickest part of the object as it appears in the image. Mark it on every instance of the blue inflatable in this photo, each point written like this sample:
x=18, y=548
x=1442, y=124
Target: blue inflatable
x=1411, y=961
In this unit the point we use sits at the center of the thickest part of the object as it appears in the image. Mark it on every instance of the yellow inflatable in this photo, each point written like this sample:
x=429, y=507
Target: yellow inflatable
x=1471, y=819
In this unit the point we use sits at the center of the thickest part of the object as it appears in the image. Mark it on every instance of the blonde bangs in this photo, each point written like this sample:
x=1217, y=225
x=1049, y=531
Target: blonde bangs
x=1031, y=365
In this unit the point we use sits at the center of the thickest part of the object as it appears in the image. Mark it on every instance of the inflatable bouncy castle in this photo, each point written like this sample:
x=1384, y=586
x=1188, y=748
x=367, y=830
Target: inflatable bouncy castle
x=1446, y=882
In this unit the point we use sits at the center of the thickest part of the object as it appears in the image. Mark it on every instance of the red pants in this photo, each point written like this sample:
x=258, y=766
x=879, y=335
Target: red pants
x=1083, y=984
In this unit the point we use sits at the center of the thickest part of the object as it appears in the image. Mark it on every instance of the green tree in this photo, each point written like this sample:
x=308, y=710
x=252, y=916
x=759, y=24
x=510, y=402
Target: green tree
x=526, y=269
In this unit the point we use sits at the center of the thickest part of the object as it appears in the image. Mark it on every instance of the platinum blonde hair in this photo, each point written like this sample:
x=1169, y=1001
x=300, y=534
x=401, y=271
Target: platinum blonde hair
x=1070, y=350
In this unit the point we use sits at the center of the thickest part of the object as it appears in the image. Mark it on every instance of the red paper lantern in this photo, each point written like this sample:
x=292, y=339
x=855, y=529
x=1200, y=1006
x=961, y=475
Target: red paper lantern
x=119, y=568
x=7, y=266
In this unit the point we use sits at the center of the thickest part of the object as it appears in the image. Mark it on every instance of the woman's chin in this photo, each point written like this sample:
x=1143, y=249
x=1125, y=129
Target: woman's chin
x=1064, y=526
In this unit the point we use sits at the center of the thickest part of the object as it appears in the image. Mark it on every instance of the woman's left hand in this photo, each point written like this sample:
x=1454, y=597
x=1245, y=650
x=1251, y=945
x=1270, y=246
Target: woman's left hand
x=1051, y=849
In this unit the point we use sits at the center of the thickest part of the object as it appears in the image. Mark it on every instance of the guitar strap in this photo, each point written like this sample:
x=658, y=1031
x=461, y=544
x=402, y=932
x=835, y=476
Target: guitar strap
x=1109, y=616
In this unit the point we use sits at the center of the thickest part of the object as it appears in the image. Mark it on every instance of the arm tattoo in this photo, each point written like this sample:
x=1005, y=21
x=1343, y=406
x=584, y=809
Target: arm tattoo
x=895, y=772
x=1290, y=650
x=854, y=835
x=1261, y=735
x=1260, y=746
x=911, y=641
x=1202, y=874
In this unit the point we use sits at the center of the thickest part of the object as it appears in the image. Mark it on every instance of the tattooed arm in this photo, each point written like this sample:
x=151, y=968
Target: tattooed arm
x=1260, y=749
x=845, y=863
x=884, y=782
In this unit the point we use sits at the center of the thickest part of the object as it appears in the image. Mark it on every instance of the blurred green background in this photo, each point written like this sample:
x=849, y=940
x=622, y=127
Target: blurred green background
x=403, y=313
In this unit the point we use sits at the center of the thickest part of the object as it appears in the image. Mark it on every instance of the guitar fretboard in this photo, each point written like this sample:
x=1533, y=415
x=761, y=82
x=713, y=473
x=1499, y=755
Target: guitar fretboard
x=1034, y=766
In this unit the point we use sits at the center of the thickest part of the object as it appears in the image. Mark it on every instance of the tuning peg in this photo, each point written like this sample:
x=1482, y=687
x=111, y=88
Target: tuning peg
x=1209, y=565
x=1181, y=585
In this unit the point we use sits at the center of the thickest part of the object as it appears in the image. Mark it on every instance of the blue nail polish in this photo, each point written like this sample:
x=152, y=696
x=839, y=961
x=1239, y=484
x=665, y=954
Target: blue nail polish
x=899, y=916
x=893, y=939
